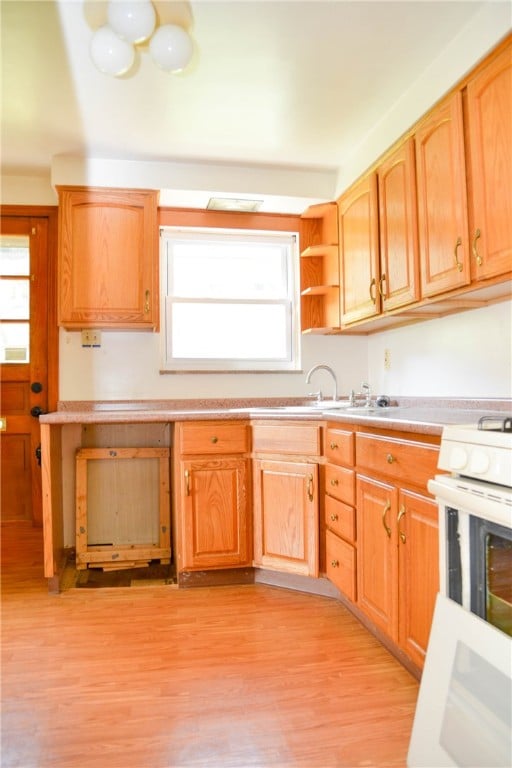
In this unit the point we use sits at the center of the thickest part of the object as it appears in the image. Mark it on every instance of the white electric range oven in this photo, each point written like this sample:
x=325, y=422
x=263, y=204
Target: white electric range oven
x=464, y=709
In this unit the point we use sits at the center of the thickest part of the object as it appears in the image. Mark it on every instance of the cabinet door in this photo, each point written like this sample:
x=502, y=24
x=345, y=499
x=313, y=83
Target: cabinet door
x=489, y=111
x=215, y=529
x=442, y=200
x=359, y=251
x=108, y=258
x=399, y=255
x=377, y=570
x=418, y=547
x=286, y=516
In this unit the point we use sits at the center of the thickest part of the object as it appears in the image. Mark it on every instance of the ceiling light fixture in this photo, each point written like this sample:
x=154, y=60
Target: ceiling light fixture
x=130, y=24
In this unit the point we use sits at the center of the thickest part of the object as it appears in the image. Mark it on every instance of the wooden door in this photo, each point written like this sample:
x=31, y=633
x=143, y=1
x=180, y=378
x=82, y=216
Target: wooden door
x=442, y=199
x=489, y=113
x=24, y=361
x=359, y=251
x=285, y=508
x=418, y=547
x=399, y=282
x=377, y=570
x=215, y=527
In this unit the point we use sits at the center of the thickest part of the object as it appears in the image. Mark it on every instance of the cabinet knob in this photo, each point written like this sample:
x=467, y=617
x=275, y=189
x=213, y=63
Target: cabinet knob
x=390, y=458
x=214, y=439
x=334, y=517
x=335, y=563
x=334, y=446
x=334, y=481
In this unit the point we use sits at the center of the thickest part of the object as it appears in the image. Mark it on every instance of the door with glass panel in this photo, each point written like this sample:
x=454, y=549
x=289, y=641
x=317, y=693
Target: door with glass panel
x=23, y=363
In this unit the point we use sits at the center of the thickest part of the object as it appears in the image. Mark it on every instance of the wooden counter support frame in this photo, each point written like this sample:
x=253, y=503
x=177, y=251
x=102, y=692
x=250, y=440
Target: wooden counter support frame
x=118, y=555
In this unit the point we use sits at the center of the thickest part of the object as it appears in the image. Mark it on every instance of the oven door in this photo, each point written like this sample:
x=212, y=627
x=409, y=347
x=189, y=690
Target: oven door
x=464, y=709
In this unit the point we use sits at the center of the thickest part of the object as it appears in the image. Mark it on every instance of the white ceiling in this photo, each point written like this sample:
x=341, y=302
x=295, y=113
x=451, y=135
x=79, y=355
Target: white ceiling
x=274, y=84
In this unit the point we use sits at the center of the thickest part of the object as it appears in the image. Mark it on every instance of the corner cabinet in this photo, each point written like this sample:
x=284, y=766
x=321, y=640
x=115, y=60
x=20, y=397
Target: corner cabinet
x=319, y=270
x=285, y=497
x=211, y=502
x=108, y=258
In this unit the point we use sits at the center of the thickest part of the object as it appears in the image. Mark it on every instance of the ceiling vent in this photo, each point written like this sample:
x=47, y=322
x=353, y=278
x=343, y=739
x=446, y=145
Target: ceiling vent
x=233, y=204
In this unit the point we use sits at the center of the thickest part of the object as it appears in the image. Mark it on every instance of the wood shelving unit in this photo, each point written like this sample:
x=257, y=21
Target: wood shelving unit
x=319, y=270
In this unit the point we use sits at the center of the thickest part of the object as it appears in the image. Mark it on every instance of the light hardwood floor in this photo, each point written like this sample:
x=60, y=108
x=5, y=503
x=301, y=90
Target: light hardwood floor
x=155, y=677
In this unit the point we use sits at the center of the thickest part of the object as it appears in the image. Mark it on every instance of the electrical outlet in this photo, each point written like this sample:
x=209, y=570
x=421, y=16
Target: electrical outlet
x=387, y=359
x=91, y=338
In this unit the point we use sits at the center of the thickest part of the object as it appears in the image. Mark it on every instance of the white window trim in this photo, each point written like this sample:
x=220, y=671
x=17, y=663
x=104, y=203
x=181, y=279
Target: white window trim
x=232, y=365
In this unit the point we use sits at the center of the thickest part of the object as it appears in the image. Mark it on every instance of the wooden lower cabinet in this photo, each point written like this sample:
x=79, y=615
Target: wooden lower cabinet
x=212, y=496
x=285, y=509
x=398, y=556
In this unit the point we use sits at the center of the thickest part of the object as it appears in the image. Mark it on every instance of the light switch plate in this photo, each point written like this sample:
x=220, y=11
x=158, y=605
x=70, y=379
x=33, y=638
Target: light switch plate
x=91, y=338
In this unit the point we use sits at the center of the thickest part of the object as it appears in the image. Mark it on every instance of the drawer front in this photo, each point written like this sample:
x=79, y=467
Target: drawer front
x=401, y=460
x=340, y=518
x=340, y=483
x=341, y=564
x=339, y=446
x=289, y=438
x=213, y=437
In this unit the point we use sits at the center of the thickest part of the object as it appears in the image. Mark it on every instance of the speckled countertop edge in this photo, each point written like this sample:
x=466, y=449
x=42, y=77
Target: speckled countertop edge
x=412, y=414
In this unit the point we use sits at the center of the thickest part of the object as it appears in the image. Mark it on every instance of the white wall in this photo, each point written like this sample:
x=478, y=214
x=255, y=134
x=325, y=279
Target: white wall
x=127, y=366
x=463, y=355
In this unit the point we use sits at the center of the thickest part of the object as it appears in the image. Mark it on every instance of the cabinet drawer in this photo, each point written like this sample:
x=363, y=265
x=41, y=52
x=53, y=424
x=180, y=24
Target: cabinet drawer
x=213, y=437
x=339, y=446
x=340, y=518
x=412, y=463
x=292, y=438
x=341, y=564
x=340, y=483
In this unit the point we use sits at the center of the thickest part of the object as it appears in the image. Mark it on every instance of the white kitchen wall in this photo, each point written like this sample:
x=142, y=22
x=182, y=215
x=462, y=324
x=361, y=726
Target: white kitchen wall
x=463, y=355
x=127, y=366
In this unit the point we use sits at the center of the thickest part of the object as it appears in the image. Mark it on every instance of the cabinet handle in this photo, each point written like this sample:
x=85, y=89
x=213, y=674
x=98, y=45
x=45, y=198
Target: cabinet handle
x=335, y=563
x=458, y=263
x=214, y=439
x=381, y=286
x=334, y=446
x=384, y=513
x=187, y=482
x=310, y=487
x=474, y=248
x=373, y=297
x=390, y=458
x=334, y=481
x=400, y=515
x=334, y=517
x=146, y=302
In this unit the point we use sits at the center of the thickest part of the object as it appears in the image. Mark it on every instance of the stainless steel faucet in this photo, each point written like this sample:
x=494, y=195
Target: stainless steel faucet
x=329, y=370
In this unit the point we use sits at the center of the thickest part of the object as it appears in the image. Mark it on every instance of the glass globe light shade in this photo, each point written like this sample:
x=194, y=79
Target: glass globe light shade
x=171, y=48
x=132, y=21
x=110, y=54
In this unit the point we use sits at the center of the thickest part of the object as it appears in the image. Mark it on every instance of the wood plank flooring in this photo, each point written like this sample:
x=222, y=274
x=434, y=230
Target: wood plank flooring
x=155, y=677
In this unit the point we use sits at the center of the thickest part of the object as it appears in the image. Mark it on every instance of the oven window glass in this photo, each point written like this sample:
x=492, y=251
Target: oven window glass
x=498, y=557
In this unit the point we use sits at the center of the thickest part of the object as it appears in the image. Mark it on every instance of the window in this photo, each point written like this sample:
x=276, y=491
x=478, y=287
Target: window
x=14, y=299
x=229, y=300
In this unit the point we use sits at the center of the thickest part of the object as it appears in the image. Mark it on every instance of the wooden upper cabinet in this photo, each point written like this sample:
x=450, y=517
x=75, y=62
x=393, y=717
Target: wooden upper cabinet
x=359, y=251
x=442, y=199
x=108, y=258
x=489, y=133
x=399, y=282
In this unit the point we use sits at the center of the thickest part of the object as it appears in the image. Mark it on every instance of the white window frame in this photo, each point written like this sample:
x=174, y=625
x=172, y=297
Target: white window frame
x=289, y=362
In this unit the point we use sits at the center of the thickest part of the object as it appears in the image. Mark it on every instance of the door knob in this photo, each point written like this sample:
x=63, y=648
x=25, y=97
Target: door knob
x=36, y=411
